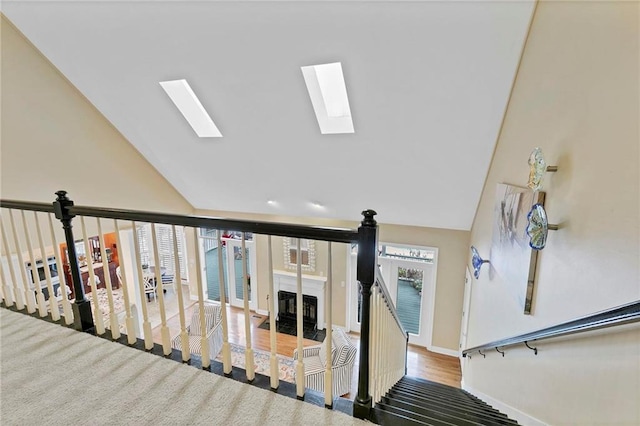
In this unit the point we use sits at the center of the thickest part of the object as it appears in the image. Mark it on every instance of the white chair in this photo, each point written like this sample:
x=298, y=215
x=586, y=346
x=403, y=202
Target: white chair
x=343, y=357
x=213, y=323
x=168, y=281
x=149, y=286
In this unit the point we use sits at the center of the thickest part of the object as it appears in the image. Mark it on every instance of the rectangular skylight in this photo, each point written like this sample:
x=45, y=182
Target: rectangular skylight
x=328, y=93
x=189, y=105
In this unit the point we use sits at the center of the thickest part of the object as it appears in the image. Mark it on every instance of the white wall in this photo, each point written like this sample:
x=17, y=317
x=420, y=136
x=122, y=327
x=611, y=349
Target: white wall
x=576, y=96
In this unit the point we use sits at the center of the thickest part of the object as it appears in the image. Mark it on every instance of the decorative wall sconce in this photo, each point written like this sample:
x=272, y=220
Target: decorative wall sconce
x=537, y=168
x=538, y=227
x=477, y=262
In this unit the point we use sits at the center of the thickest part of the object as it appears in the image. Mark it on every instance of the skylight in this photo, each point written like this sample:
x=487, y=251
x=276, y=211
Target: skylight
x=328, y=93
x=189, y=105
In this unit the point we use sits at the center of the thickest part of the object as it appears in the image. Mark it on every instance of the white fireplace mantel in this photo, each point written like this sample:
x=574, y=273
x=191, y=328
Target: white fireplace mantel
x=312, y=285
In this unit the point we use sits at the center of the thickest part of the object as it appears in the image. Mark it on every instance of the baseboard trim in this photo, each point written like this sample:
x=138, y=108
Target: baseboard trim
x=515, y=414
x=262, y=312
x=443, y=351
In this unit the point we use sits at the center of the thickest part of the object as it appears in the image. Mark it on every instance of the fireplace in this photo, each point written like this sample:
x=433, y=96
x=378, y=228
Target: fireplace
x=287, y=309
x=312, y=297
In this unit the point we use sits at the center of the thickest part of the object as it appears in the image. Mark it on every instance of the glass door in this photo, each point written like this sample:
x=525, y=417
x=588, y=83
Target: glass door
x=235, y=282
x=409, y=274
x=210, y=242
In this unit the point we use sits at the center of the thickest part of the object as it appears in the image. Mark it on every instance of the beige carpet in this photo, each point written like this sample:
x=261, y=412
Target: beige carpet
x=56, y=376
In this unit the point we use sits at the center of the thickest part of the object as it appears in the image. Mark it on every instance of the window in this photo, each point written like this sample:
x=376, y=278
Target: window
x=307, y=254
x=164, y=235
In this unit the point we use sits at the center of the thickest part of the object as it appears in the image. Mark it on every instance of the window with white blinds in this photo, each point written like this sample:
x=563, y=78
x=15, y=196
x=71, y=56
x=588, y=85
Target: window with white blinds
x=164, y=236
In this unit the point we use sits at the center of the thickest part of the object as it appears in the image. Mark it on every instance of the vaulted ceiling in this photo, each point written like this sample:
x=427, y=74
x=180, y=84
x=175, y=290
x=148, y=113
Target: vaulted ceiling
x=428, y=83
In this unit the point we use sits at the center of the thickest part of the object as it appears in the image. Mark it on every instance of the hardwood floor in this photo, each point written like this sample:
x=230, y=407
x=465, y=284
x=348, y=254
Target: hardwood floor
x=420, y=362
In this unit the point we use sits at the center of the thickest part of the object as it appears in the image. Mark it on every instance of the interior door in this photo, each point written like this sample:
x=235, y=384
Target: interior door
x=235, y=283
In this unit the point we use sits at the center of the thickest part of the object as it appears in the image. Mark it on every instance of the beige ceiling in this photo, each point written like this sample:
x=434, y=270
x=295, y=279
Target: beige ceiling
x=428, y=84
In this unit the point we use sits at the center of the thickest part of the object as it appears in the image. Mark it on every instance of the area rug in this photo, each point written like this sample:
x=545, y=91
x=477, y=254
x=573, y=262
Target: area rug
x=262, y=362
x=103, y=305
x=290, y=329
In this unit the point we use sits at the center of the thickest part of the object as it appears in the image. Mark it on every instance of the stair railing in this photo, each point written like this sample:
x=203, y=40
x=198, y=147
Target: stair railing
x=17, y=289
x=619, y=315
x=389, y=340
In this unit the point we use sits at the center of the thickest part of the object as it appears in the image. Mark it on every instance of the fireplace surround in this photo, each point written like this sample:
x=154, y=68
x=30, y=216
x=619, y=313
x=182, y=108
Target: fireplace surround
x=312, y=287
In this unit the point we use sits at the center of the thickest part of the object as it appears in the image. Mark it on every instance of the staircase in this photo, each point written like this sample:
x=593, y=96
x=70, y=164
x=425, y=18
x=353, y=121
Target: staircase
x=414, y=401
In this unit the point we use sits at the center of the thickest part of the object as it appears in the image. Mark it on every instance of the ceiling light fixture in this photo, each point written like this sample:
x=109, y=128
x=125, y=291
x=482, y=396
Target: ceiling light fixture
x=328, y=93
x=189, y=105
x=316, y=205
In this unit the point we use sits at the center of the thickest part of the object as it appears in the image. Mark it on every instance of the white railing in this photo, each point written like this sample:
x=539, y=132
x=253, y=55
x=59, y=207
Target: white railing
x=118, y=303
x=388, y=342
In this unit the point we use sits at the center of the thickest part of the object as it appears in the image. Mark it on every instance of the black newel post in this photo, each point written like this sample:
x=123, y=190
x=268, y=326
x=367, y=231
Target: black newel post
x=367, y=263
x=82, y=318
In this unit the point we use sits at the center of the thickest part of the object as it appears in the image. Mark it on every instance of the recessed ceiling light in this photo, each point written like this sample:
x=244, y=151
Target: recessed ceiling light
x=189, y=105
x=328, y=93
x=272, y=202
x=316, y=205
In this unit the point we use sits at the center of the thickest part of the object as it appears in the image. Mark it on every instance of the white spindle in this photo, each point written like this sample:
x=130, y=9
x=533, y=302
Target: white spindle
x=328, y=372
x=146, y=325
x=113, y=318
x=275, y=369
x=226, y=347
x=249, y=358
x=97, y=314
x=66, y=306
x=6, y=290
x=164, y=330
x=184, y=336
x=42, y=307
x=300, y=379
x=28, y=294
x=53, y=304
x=17, y=293
x=129, y=323
x=206, y=357
x=374, y=353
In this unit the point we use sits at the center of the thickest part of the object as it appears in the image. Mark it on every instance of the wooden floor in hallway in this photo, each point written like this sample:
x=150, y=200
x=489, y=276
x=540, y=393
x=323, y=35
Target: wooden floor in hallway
x=420, y=362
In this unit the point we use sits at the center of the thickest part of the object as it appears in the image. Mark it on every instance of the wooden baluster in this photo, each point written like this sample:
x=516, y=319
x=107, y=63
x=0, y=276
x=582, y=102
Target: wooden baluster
x=3, y=288
x=275, y=369
x=374, y=330
x=28, y=294
x=249, y=358
x=6, y=290
x=300, y=379
x=328, y=372
x=226, y=347
x=53, y=303
x=146, y=325
x=42, y=307
x=129, y=323
x=67, y=311
x=205, y=355
x=386, y=357
x=164, y=330
x=97, y=313
x=177, y=276
x=113, y=318
x=17, y=294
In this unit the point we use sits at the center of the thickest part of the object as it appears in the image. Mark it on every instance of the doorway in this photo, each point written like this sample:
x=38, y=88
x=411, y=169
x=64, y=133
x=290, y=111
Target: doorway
x=409, y=272
x=232, y=259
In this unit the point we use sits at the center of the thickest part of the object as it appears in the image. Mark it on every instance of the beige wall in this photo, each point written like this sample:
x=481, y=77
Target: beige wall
x=576, y=96
x=53, y=138
x=452, y=247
